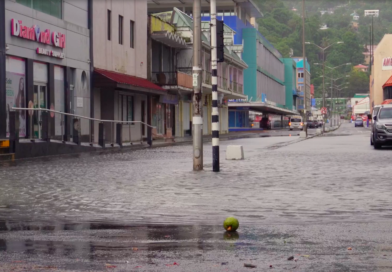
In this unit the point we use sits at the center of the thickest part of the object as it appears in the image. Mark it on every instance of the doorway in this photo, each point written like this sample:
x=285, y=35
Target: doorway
x=143, y=118
x=40, y=101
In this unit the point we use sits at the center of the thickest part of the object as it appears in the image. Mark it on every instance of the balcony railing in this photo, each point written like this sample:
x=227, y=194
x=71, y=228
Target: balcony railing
x=181, y=78
x=164, y=78
x=207, y=79
x=238, y=88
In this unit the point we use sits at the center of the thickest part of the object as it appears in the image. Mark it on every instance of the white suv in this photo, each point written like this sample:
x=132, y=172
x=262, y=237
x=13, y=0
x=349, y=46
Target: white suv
x=382, y=127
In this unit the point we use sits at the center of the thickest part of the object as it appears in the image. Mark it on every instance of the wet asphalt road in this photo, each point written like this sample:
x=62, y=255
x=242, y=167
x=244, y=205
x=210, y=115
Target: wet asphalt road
x=325, y=201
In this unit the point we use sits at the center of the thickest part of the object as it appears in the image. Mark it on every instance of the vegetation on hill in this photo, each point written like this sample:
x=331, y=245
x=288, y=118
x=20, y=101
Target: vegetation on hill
x=282, y=26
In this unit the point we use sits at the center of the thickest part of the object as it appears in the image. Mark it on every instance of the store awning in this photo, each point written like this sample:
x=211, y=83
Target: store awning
x=388, y=83
x=262, y=107
x=170, y=39
x=106, y=78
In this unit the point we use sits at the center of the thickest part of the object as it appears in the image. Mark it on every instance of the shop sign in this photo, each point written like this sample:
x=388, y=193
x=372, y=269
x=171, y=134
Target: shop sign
x=50, y=53
x=34, y=33
x=169, y=99
x=387, y=64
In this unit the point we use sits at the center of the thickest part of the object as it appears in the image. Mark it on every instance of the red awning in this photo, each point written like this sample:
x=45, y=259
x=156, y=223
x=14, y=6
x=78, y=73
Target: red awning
x=138, y=82
x=388, y=83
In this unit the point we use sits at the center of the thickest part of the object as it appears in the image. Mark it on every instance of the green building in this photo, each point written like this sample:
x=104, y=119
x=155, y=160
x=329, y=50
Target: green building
x=290, y=72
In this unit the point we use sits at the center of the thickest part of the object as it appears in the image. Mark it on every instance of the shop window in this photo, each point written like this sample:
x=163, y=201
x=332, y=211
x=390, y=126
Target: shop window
x=388, y=93
x=52, y=7
x=16, y=91
x=126, y=107
x=132, y=34
x=120, y=29
x=109, y=26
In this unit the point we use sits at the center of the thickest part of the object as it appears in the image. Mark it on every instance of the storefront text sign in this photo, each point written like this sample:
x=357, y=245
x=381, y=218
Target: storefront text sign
x=387, y=64
x=50, y=53
x=34, y=33
x=169, y=99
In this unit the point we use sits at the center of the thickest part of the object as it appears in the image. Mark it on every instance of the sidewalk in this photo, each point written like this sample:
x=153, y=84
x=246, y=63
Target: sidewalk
x=228, y=136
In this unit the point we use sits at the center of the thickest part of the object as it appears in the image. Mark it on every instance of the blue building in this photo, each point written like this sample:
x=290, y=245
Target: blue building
x=305, y=97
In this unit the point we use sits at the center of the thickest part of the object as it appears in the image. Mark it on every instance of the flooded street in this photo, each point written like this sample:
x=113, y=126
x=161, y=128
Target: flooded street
x=320, y=201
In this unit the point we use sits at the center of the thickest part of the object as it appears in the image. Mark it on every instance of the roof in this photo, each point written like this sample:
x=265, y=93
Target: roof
x=360, y=95
x=300, y=63
x=161, y=5
x=360, y=66
x=388, y=83
x=188, y=22
x=129, y=80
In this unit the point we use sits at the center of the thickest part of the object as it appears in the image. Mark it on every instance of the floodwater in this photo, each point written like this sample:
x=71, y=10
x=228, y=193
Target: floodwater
x=324, y=201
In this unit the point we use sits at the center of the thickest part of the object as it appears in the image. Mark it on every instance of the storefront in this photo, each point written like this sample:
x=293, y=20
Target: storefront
x=239, y=118
x=47, y=66
x=380, y=80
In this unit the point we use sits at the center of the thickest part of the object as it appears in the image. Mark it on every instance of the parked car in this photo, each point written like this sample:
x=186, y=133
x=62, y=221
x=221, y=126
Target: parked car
x=313, y=124
x=374, y=113
x=359, y=122
x=382, y=128
x=320, y=123
x=265, y=123
x=296, y=123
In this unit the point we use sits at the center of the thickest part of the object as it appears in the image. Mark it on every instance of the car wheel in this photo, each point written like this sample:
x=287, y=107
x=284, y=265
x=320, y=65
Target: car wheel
x=376, y=145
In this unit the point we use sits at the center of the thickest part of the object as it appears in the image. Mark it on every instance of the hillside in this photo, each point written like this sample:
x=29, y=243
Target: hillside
x=282, y=26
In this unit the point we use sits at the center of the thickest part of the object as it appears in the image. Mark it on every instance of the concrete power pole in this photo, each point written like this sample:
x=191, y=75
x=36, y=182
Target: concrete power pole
x=215, y=110
x=304, y=61
x=197, y=121
x=3, y=111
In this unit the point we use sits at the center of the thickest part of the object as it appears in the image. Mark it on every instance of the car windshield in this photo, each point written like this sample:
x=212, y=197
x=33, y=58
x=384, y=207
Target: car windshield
x=296, y=120
x=359, y=119
x=386, y=113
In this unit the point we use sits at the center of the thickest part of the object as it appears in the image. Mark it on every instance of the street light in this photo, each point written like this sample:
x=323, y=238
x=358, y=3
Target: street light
x=323, y=50
x=332, y=84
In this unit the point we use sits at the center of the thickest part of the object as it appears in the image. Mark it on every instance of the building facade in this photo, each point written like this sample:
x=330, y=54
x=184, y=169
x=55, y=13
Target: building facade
x=290, y=81
x=47, y=65
x=172, y=67
x=381, y=72
x=122, y=91
x=304, y=88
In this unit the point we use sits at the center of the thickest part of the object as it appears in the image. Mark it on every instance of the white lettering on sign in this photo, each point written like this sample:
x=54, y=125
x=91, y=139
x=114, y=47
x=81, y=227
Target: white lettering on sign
x=79, y=102
x=34, y=33
x=195, y=80
x=387, y=64
x=50, y=53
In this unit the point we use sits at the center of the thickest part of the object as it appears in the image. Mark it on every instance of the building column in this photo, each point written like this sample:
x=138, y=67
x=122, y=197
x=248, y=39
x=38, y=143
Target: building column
x=3, y=106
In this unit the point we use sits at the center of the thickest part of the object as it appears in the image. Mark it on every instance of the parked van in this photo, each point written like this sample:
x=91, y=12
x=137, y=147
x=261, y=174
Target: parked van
x=296, y=122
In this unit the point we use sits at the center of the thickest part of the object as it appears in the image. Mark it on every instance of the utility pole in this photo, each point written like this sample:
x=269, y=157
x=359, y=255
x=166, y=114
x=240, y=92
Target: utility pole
x=371, y=63
x=324, y=88
x=304, y=61
x=3, y=108
x=215, y=110
x=197, y=121
x=331, y=104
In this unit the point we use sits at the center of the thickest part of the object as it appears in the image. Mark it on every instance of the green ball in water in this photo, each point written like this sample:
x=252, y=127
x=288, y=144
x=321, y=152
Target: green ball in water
x=231, y=224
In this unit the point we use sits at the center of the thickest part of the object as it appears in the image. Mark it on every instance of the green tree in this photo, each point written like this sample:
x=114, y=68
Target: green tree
x=358, y=82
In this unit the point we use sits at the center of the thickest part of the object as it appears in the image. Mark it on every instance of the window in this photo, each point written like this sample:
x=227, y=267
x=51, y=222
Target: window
x=126, y=107
x=109, y=24
x=132, y=34
x=120, y=29
x=386, y=113
x=52, y=7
